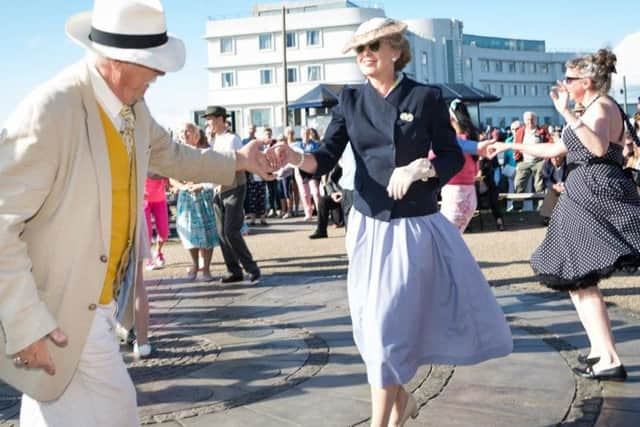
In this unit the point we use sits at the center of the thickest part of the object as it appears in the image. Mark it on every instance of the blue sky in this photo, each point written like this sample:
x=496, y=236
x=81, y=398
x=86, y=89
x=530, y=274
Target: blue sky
x=34, y=47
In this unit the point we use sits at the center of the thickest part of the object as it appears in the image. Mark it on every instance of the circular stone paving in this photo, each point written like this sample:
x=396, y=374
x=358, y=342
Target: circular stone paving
x=192, y=375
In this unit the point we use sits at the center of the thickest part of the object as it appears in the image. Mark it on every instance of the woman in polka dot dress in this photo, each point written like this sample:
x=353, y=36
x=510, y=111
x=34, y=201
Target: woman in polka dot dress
x=595, y=227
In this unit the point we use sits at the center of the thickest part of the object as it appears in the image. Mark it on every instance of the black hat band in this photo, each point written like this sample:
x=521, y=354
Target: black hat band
x=128, y=41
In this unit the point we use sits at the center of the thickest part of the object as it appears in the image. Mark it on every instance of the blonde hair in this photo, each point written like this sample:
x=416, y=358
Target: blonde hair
x=597, y=67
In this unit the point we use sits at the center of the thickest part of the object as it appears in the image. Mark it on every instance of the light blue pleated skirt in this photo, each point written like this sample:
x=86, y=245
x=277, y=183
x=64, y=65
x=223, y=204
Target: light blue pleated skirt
x=417, y=296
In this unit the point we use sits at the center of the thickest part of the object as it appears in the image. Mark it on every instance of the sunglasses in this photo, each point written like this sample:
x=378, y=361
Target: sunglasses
x=569, y=79
x=373, y=47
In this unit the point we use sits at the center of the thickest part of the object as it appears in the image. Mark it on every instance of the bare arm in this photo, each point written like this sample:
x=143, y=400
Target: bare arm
x=545, y=151
x=593, y=132
x=592, y=129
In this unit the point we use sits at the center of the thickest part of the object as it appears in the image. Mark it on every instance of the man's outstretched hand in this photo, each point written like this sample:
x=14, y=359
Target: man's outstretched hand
x=281, y=154
x=37, y=356
x=251, y=159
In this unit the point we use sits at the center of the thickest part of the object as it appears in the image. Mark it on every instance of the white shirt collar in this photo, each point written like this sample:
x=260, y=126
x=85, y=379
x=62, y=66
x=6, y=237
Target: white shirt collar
x=399, y=78
x=109, y=102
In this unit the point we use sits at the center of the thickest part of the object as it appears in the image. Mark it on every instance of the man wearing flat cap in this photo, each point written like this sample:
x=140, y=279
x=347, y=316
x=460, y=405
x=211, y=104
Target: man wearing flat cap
x=228, y=205
x=73, y=158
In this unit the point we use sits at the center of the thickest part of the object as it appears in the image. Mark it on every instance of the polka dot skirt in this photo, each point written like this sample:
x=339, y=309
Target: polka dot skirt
x=595, y=227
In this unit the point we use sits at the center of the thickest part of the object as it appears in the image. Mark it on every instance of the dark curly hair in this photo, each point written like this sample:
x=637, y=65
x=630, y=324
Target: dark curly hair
x=462, y=116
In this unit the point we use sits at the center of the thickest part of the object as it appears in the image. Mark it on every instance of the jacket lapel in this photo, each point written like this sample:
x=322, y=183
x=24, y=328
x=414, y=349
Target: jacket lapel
x=99, y=155
x=381, y=113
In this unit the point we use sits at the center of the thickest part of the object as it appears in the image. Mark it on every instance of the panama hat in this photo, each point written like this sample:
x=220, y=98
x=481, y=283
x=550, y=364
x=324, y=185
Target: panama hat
x=128, y=30
x=372, y=30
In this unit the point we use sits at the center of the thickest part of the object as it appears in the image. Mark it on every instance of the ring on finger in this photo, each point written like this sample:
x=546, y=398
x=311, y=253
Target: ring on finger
x=18, y=361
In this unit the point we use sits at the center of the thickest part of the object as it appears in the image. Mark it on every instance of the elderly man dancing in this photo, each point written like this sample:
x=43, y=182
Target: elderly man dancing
x=73, y=157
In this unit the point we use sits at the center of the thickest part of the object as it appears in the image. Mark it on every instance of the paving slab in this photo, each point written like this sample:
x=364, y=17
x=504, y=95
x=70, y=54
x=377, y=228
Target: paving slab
x=282, y=353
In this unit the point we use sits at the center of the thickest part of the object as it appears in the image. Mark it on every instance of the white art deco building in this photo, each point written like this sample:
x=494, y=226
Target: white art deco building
x=246, y=73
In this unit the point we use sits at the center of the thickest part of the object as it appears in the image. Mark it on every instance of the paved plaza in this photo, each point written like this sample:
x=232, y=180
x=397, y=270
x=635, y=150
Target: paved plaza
x=281, y=353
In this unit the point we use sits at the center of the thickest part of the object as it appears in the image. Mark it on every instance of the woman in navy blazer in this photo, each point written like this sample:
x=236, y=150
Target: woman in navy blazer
x=409, y=305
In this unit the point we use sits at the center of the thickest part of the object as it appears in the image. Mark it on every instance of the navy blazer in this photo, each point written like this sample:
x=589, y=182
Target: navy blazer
x=386, y=133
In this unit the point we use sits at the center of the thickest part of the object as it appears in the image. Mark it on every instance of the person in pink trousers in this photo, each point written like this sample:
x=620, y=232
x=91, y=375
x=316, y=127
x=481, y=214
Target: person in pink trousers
x=155, y=204
x=308, y=186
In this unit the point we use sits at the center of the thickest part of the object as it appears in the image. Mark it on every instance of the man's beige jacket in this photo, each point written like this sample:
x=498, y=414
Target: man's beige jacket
x=55, y=217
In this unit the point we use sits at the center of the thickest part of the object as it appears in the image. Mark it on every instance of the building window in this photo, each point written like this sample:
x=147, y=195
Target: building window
x=547, y=120
x=514, y=90
x=227, y=79
x=532, y=67
x=486, y=87
x=489, y=121
x=424, y=61
x=226, y=45
x=544, y=68
x=314, y=73
x=266, y=76
x=265, y=41
x=524, y=90
x=521, y=68
x=261, y=116
x=292, y=40
x=468, y=63
x=511, y=67
x=484, y=65
x=295, y=117
x=502, y=123
x=498, y=66
x=313, y=38
x=501, y=89
x=292, y=75
x=534, y=90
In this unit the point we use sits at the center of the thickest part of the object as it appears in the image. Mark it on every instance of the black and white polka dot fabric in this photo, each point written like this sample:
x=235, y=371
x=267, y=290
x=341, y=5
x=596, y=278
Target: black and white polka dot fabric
x=595, y=227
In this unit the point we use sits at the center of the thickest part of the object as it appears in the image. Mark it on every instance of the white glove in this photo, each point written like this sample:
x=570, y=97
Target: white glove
x=402, y=177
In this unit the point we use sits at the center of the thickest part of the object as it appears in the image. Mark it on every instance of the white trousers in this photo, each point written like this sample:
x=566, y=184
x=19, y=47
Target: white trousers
x=100, y=394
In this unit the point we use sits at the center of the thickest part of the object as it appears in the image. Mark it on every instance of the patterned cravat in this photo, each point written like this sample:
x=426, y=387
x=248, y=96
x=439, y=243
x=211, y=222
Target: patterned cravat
x=128, y=127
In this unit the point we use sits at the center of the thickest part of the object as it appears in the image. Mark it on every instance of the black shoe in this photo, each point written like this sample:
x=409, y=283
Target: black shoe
x=231, y=278
x=586, y=360
x=131, y=337
x=254, y=277
x=318, y=235
x=612, y=374
x=500, y=224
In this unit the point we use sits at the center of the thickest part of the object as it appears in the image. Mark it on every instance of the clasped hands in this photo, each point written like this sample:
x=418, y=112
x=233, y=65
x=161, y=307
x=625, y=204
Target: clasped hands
x=258, y=158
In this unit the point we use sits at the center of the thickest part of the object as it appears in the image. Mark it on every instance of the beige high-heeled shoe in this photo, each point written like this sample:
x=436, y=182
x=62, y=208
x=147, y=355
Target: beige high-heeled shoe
x=410, y=411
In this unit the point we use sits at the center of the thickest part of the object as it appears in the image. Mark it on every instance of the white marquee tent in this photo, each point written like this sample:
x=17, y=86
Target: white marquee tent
x=628, y=66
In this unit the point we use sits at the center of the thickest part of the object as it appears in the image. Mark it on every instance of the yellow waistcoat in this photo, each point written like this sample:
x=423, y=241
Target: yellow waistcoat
x=123, y=207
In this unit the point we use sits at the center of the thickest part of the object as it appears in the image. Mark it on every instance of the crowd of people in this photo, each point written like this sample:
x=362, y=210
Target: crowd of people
x=83, y=158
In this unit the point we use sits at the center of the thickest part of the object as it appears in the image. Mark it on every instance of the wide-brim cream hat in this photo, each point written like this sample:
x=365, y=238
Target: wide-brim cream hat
x=128, y=30
x=372, y=30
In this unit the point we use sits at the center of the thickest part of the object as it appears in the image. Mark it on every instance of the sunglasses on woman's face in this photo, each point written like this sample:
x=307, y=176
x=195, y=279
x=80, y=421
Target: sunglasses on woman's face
x=373, y=47
x=570, y=79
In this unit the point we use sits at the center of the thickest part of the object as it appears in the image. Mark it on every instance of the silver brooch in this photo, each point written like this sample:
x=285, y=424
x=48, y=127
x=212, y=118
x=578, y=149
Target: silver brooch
x=406, y=117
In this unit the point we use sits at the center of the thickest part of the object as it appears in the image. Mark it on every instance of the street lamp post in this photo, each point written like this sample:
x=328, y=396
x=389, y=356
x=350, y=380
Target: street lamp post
x=284, y=66
x=624, y=91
